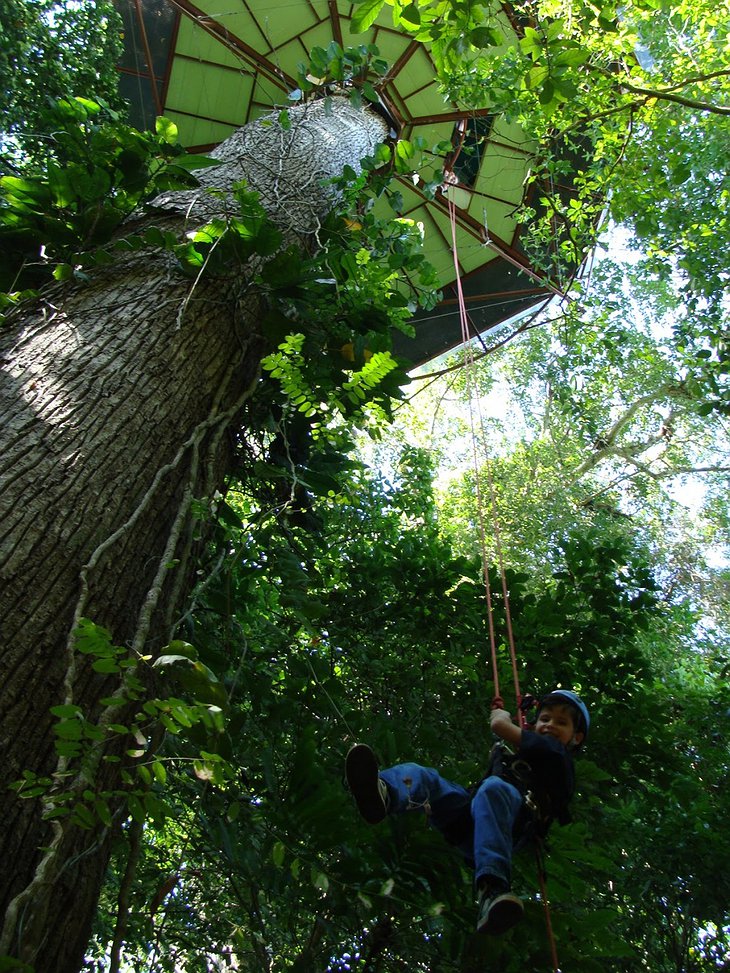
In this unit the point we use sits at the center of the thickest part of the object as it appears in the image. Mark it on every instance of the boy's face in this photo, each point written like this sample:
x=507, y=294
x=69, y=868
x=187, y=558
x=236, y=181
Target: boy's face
x=556, y=719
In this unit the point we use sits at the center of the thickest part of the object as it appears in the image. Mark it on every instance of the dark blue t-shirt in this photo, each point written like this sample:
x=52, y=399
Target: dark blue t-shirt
x=551, y=774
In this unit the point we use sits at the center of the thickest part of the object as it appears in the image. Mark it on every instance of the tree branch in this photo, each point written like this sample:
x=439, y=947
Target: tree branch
x=120, y=929
x=609, y=439
x=668, y=94
x=702, y=106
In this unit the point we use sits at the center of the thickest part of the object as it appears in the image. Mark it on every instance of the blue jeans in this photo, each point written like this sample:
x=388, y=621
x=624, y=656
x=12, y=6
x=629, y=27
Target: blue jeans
x=494, y=809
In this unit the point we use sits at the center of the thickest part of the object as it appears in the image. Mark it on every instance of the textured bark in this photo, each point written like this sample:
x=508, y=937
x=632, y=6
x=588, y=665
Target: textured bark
x=118, y=403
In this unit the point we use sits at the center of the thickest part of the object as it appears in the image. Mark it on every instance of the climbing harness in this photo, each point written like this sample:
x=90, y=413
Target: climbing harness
x=524, y=704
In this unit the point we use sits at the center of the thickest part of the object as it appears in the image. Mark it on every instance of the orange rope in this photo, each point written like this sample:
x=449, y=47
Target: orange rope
x=464, y=321
x=465, y=337
x=505, y=593
x=546, y=907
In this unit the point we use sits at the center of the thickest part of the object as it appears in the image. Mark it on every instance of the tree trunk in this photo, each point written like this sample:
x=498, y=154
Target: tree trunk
x=119, y=400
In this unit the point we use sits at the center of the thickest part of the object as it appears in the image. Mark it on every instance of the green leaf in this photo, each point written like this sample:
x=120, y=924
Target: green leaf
x=92, y=639
x=365, y=15
x=204, y=770
x=136, y=808
x=537, y=77
x=486, y=37
x=166, y=130
x=267, y=240
x=193, y=161
x=91, y=107
x=23, y=188
x=411, y=15
x=63, y=272
x=158, y=769
x=66, y=711
x=83, y=816
x=227, y=515
x=284, y=270
x=69, y=730
x=107, y=666
x=178, y=647
x=319, y=880
x=547, y=93
x=396, y=202
x=531, y=43
x=67, y=748
x=571, y=58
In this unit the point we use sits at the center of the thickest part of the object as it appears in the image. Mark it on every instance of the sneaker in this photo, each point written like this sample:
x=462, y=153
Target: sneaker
x=498, y=913
x=369, y=791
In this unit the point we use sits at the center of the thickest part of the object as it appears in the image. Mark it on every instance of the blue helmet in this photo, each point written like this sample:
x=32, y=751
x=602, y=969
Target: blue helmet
x=567, y=696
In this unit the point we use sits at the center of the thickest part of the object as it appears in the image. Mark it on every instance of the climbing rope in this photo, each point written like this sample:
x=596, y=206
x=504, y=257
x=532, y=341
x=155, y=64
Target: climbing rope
x=466, y=335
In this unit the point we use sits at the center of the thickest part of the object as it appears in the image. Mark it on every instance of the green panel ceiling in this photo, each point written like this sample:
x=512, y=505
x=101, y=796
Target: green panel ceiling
x=234, y=18
x=209, y=92
x=192, y=42
x=280, y=22
x=415, y=79
x=497, y=217
x=390, y=43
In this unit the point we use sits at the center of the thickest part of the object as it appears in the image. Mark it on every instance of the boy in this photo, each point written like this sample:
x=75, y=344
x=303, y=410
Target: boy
x=522, y=793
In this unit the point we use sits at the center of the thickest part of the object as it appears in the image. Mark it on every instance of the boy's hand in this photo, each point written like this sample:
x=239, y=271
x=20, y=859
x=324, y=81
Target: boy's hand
x=502, y=725
x=499, y=716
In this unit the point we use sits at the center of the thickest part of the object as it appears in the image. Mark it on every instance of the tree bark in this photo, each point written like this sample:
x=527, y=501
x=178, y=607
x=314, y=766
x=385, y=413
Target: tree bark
x=119, y=402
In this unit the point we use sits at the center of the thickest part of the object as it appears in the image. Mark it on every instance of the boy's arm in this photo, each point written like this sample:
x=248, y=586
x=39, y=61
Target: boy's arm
x=501, y=724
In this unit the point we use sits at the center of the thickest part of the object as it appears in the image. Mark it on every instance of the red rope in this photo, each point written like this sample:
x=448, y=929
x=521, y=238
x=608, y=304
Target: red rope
x=546, y=907
x=505, y=592
x=464, y=320
x=465, y=337
x=469, y=358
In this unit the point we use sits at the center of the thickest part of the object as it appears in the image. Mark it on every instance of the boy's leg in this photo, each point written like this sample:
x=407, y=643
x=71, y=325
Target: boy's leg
x=405, y=787
x=494, y=810
x=412, y=787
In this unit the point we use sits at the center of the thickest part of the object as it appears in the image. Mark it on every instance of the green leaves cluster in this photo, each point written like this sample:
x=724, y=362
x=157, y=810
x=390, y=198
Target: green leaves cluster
x=96, y=171
x=336, y=310
x=74, y=47
x=348, y=68
x=600, y=424
x=126, y=731
x=431, y=20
